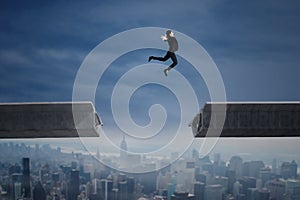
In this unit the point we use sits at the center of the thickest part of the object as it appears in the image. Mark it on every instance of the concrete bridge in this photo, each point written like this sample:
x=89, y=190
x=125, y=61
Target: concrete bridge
x=248, y=119
x=48, y=120
x=67, y=119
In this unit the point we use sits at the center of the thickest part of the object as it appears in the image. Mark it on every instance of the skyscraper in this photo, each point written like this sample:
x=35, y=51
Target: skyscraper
x=213, y=192
x=200, y=177
x=217, y=158
x=236, y=189
x=263, y=194
x=254, y=168
x=277, y=188
x=274, y=166
x=122, y=190
x=15, y=178
x=289, y=170
x=39, y=192
x=17, y=190
x=293, y=169
x=171, y=189
x=265, y=175
x=247, y=182
x=131, y=188
x=26, y=178
x=123, y=146
x=292, y=188
x=231, y=179
x=103, y=189
x=199, y=189
x=109, y=185
x=73, y=188
x=252, y=194
x=223, y=181
x=236, y=164
x=106, y=189
x=123, y=153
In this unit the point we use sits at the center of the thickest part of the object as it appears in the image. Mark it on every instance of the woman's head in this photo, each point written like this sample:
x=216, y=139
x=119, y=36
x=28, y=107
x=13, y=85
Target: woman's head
x=169, y=33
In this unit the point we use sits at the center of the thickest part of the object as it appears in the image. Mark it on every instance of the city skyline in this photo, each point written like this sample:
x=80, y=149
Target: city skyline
x=260, y=154
x=227, y=178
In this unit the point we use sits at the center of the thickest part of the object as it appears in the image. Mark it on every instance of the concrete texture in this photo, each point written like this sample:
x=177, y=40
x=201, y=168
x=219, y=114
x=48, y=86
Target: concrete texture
x=48, y=120
x=249, y=119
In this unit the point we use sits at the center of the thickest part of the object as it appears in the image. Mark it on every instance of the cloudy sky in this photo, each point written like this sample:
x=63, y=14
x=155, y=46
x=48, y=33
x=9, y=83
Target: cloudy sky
x=255, y=45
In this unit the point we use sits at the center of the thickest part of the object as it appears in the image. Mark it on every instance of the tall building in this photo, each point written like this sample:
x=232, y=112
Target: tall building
x=252, y=194
x=293, y=169
x=106, y=189
x=276, y=188
x=115, y=194
x=123, y=146
x=236, y=189
x=148, y=180
x=171, y=189
x=217, y=158
x=73, y=186
x=17, y=191
x=184, y=182
x=230, y=174
x=103, y=188
x=163, y=193
x=236, y=164
x=39, y=192
x=220, y=168
x=265, y=175
x=15, y=179
x=246, y=169
x=208, y=167
x=131, y=188
x=200, y=177
x=254, y=168
x=274, y=166
x=264, y=194
x=293, y=189
x=122, y=190
x=96, y=184
x=162, y=181
x=285, y=170
x=110, y=187
x=199, y=189
x=247, y=182
x=213, y=192
x=223, y=181
x=26, y=178
x=123, y=152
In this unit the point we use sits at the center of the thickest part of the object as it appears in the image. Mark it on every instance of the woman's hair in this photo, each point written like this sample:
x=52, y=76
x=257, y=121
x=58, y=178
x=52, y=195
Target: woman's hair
x=168, y=32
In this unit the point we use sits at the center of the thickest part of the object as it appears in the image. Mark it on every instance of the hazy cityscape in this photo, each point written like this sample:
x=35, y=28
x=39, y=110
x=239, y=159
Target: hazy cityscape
x=42, y=171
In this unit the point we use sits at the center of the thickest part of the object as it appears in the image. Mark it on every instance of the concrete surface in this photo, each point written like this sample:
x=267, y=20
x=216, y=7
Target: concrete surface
x=249, y=119
x=48, y=120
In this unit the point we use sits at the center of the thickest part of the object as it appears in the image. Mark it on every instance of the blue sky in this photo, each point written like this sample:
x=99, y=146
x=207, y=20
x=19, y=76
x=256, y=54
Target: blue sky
x=255, y=44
